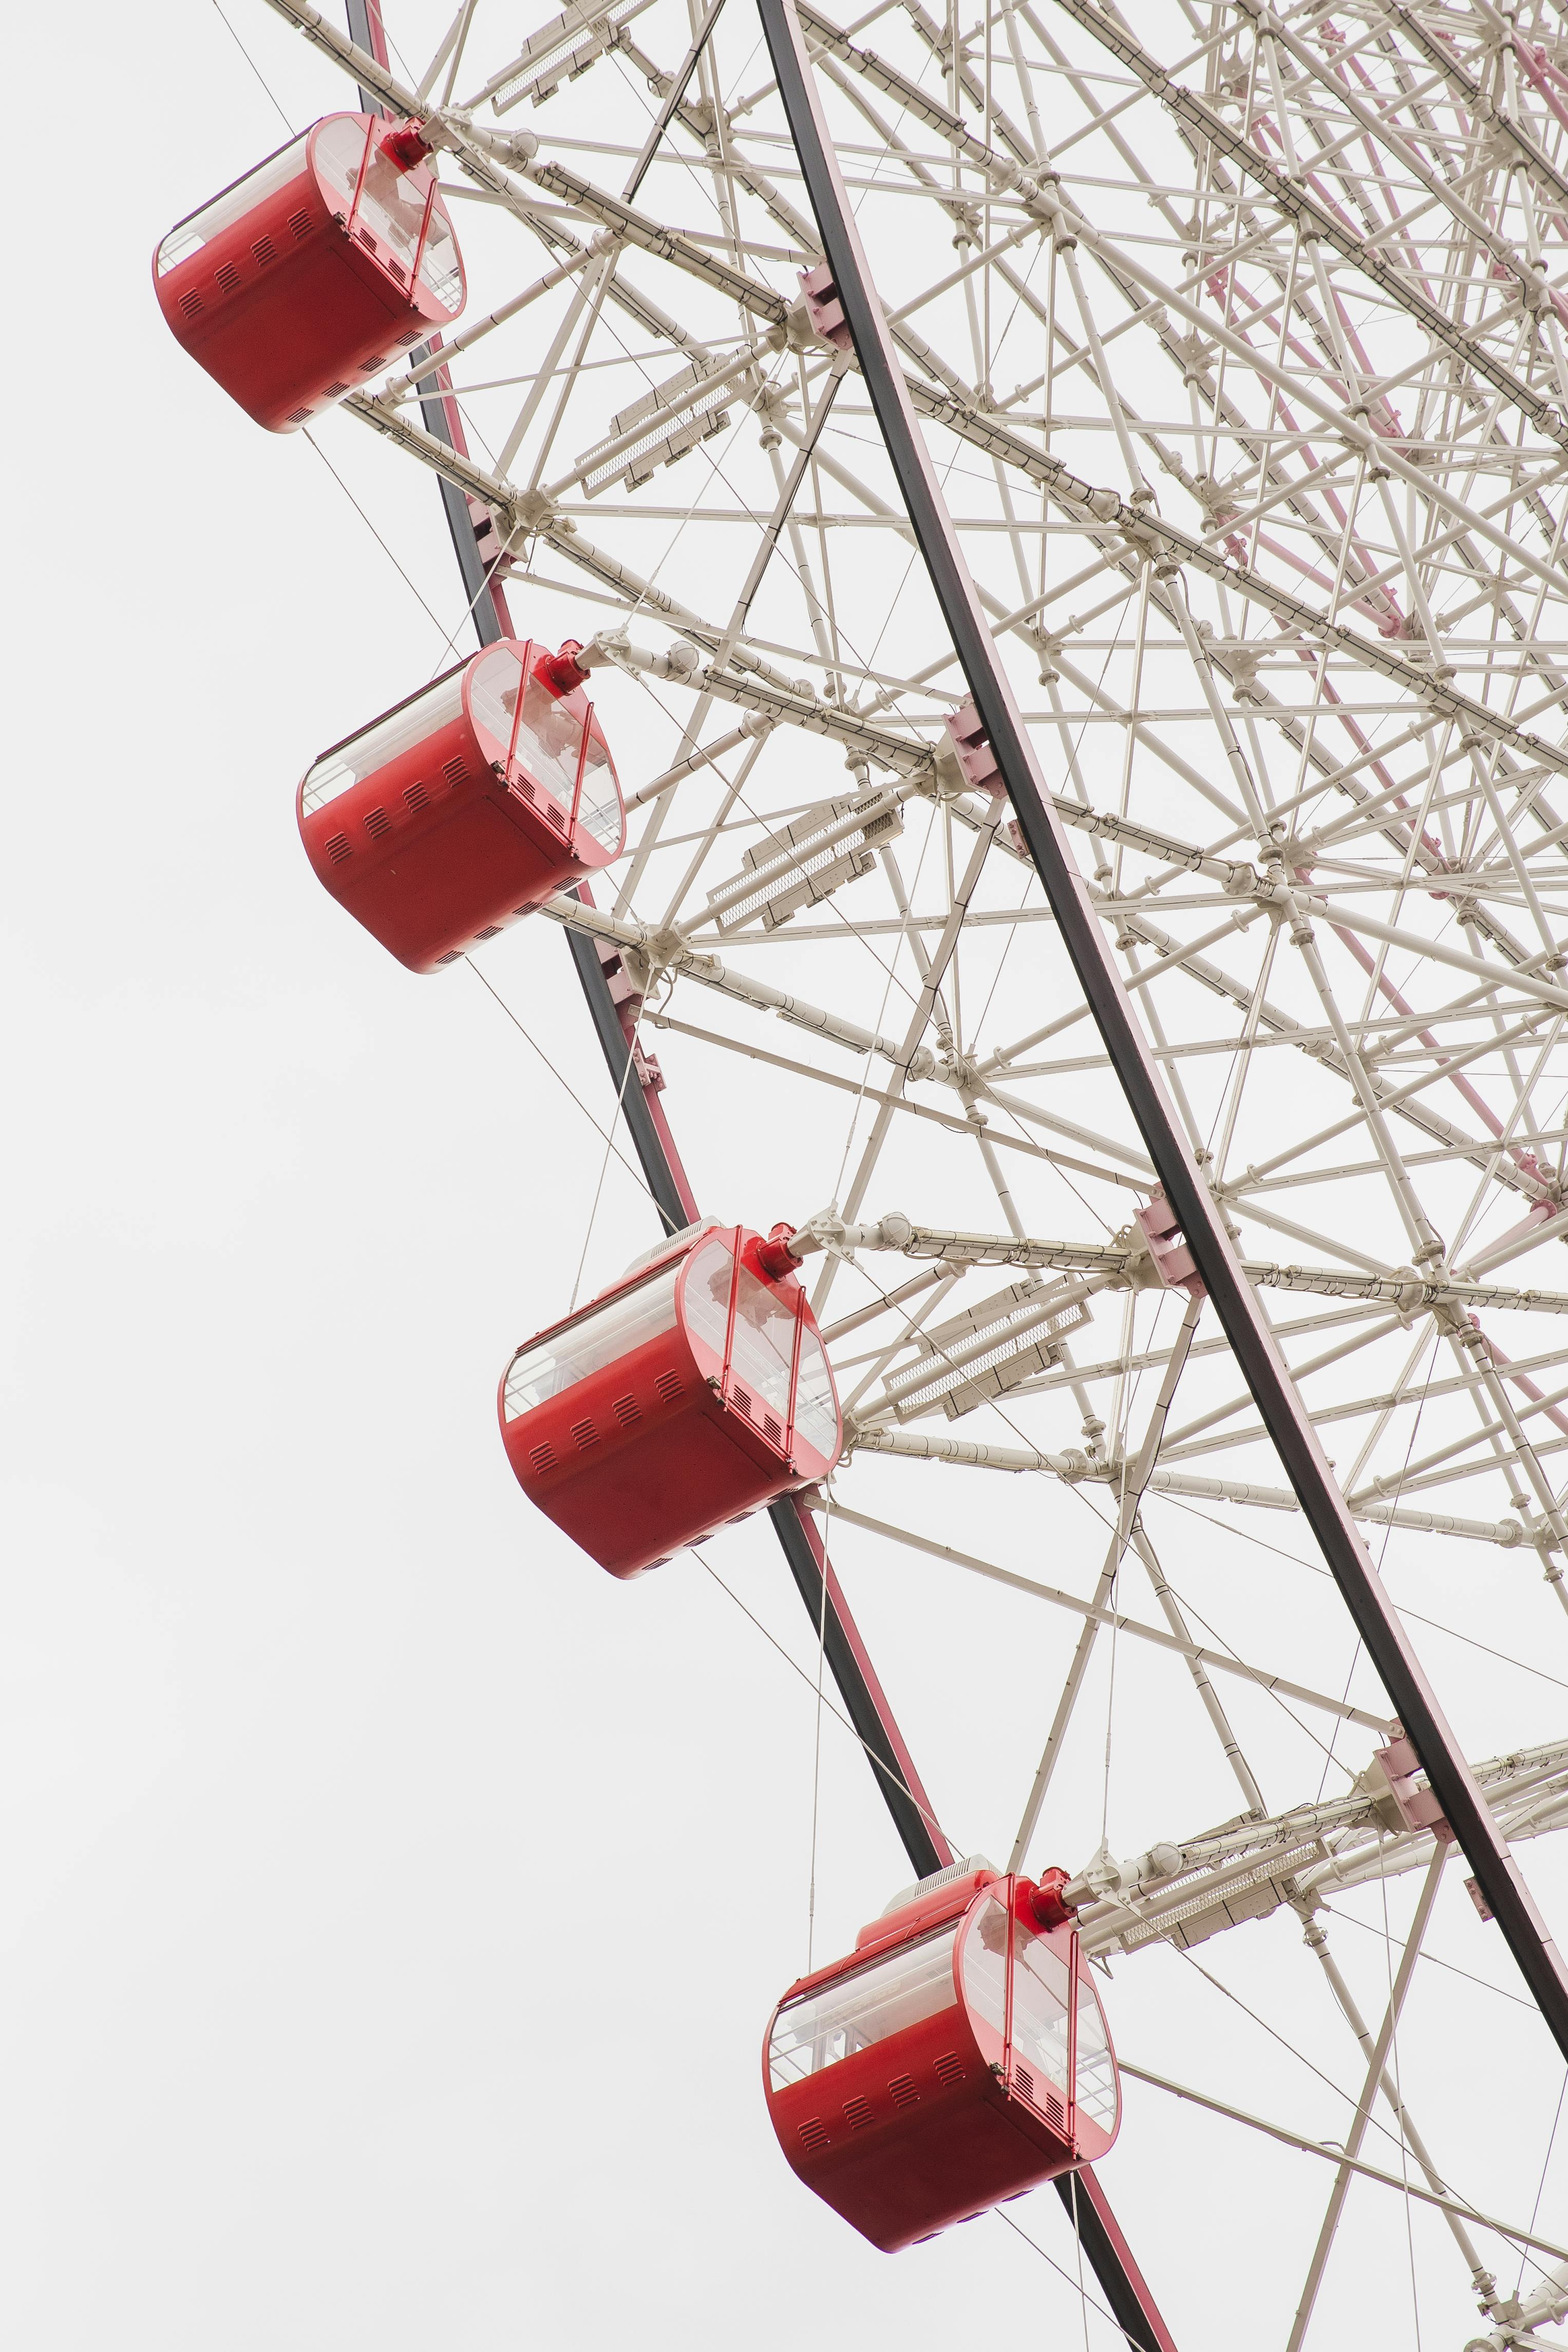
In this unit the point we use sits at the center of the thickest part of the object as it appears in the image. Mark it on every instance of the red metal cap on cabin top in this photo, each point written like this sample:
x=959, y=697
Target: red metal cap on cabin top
x=406, y=145
x=561, y=670
x=773, y=1256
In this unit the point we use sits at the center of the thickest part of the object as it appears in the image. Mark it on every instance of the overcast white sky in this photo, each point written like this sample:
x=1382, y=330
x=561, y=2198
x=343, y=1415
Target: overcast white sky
x=391, y=1905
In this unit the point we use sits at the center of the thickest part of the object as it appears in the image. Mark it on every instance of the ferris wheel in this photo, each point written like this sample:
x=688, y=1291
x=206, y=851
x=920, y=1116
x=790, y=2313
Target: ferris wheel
x=1055, y=794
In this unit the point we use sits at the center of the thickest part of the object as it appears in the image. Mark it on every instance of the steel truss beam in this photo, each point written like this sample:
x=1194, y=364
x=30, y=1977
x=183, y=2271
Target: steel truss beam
x=1179, y=1891
x=1196, y=1213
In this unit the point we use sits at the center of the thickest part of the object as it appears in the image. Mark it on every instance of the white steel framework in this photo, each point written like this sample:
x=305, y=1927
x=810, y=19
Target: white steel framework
x=1240, y=343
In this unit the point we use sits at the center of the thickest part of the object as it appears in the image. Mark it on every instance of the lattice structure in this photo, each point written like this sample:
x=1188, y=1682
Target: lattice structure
x=1240, y=342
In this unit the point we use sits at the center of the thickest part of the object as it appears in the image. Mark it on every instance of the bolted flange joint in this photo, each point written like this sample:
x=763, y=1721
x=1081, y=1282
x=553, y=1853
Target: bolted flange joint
x=1043, y=1902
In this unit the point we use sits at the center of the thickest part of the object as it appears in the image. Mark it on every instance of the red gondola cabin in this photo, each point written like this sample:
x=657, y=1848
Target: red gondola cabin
x=309, y=275
x=957, y=2057
x=466, y=806
x=689, y=1394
